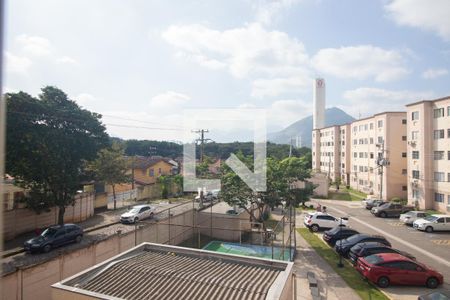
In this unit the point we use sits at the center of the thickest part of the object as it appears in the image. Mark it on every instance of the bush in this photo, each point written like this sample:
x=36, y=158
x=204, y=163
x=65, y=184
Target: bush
x=399, y=200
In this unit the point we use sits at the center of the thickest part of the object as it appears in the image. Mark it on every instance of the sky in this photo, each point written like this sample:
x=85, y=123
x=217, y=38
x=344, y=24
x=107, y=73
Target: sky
x=142, y=63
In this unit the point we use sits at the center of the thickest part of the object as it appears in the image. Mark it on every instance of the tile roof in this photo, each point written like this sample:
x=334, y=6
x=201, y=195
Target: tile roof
x=161, y=274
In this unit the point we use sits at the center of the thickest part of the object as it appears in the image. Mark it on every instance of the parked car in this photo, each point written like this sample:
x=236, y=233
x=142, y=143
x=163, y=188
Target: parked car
x=438, y=295
x=54, y=236
x=374, y=203
x=318, y=220
x=343, y=246
x=208, y=197
x=433, y=223
x=409, y=217
x=385, y=269
x=338, y=233
x=136, y=213
x=390, y=209
x=370, y=248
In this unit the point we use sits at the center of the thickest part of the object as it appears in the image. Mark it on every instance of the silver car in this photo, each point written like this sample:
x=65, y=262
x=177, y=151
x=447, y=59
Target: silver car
x=409, y=217
x=136, y=213
x=433, y=223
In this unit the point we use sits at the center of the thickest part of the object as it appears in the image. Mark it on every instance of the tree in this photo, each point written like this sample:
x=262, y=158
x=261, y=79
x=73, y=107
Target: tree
x=48, y=140
x=111, y=167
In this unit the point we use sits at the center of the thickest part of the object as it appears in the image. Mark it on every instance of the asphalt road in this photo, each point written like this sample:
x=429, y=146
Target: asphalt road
x=432, y=249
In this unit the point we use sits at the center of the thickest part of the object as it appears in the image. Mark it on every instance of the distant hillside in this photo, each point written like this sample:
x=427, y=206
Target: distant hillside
x=303, y=127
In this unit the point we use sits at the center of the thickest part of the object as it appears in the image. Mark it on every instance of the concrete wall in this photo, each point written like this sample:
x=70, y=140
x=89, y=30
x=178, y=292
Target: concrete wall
x=322, y=183
x=33, y=282
x=225, y=227
x=101, y=200
x=23, y=220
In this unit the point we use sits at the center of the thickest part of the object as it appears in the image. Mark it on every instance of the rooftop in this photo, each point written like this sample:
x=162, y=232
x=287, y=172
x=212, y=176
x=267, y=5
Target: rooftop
x=170, y=272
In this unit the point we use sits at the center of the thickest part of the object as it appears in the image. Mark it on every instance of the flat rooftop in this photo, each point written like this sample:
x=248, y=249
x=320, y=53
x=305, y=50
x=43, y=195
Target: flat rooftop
x=154, y=271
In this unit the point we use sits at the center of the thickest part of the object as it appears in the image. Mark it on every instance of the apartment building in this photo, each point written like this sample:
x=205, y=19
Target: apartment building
x=326, y=151
x=345, y=153
x=429, y=154
x=378, y=155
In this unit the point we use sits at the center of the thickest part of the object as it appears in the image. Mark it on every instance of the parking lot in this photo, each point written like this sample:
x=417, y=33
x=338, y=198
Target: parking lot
x=432, y=249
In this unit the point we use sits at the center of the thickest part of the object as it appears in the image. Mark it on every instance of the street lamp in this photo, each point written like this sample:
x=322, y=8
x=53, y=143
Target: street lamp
x=340, y=263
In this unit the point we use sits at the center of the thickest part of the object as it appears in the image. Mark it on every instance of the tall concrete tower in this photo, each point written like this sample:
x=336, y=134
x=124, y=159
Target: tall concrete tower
x=319, y=103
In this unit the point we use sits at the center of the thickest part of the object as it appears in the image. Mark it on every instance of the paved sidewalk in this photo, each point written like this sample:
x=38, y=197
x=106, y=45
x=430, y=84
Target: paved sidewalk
x=331, y=285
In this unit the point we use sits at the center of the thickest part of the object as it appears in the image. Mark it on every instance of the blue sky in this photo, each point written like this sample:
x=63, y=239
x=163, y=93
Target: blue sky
x=140, y=63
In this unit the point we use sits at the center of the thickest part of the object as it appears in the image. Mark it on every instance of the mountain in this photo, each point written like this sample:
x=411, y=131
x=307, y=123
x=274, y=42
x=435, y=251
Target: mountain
x=303, y=127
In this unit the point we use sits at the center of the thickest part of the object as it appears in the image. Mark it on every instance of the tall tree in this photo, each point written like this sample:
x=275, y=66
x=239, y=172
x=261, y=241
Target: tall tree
x=48, y=140
x=111, y=167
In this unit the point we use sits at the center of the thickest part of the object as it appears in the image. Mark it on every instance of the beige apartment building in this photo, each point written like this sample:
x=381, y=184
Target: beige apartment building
x=429, y=154
x=378, y=155
x=368, y=154
x=326, y=151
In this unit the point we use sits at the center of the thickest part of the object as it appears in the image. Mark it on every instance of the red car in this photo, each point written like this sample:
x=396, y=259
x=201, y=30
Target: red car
x=392, y=268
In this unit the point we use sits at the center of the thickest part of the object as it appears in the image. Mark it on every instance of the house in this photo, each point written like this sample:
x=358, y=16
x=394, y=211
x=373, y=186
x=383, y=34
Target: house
x=11, y=193
x=146, y=170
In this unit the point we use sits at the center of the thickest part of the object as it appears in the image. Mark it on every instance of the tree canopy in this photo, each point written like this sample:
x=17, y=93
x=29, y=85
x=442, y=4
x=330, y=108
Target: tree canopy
x=48, y=140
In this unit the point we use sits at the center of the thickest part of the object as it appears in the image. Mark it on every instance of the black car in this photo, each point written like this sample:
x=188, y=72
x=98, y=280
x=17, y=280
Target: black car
x=439, y=295
x=369, y=248
x=343, y=246
x=374, y=203
x=338, y=233
x=54, y=236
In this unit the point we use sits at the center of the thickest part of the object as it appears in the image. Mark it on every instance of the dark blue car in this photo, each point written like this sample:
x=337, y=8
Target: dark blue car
x=54, y=236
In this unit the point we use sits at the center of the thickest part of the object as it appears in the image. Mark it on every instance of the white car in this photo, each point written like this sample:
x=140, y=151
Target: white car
x=433, y=223
x=411, y=216
x=318, y=220
x=136, y=213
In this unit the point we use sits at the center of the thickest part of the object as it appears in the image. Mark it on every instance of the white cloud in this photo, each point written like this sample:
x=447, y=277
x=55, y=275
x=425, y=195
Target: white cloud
x=267, y=10
x=368, y=101
x=284, y=112
x=169, y=100
x=276, y=86
x=245, y=51
x=424, y=14
x=17, y=64
x=84, y=99
x=361, y=62
x=34, y=45
x=434, y=73
x=66, y=60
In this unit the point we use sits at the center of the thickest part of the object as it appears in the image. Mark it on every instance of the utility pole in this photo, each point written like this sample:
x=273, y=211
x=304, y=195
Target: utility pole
x=290, y=147
x=202, y=141
x=381, y=163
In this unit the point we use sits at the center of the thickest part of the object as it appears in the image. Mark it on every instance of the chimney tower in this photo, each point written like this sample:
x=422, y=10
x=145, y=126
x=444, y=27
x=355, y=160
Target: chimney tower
x=319, y=103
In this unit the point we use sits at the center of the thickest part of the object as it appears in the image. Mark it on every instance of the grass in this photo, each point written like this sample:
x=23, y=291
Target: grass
x=433, y=212
x=344, y=196
x=357, y=193
x=363, y=288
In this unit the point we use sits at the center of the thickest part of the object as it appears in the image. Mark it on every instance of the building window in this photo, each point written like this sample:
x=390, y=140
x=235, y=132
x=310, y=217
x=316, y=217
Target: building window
x=151, y=173
x=159, y=171
x=355, y=128
x=448, y=155
x=355, y=154
x=438, y=155
x=439, y=112
x=438, y=197
x=415, y=115
x=404, y=121
x=380, y=123
x=415, y=155
x=404, y=172
x=355, y=142
x=439, y=176
x=439, y=134
x=403, y=154
x=380, y=140
x=448, y=113
x=371, y=140
x=403, y=137
x=371, y=154
x=448, y=177
x=448, y=197
x=371, y=125
x=415, y=194
x=414, y=135
x=415, y=174
x=404, y=188
x=448, y=133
